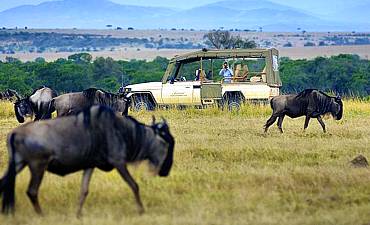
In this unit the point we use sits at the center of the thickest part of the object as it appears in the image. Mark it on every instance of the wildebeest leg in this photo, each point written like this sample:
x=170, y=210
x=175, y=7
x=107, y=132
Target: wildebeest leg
x=37, y=116
x=37, y=173
x=122, y=169
x=306, y=121
x=280, y=123
x=86, y=177
x=321, y=123
x=270, y=122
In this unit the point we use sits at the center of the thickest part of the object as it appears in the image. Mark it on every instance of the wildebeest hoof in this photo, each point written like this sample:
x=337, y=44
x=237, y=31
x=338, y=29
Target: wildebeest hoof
x=79, y=215
x=141, y=211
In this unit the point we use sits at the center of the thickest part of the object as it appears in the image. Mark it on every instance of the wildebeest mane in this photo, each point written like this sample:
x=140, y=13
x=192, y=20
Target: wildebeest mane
x=90, y=93
x=108, y=99
x=131, y=137
x=307, y=92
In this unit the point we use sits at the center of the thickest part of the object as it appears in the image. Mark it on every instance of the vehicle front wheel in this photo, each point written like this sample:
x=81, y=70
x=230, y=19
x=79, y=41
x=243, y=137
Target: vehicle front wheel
x=142, y=104
x=233, y=104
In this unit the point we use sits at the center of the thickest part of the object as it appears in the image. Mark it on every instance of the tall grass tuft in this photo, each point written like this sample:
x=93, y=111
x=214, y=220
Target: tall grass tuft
x=352, y=107
x=6, y=110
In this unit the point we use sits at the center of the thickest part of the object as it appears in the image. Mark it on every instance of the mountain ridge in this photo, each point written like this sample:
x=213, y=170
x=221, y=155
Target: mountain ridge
x=231, y=14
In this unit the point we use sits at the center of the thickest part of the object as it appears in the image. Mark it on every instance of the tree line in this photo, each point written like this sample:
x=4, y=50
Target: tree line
x=344, y=74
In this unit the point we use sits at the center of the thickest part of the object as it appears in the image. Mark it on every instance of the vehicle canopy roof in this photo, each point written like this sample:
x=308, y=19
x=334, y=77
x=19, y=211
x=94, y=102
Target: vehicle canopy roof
x=224, y=54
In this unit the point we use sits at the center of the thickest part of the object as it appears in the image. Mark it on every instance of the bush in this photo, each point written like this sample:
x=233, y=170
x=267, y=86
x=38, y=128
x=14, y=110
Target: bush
x=309, y=44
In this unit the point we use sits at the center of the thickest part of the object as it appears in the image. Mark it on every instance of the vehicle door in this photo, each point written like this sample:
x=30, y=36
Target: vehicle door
x=177, y=92
x=182, y=87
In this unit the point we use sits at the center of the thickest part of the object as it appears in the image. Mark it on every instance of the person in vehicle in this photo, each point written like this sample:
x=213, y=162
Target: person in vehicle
x=226, y=73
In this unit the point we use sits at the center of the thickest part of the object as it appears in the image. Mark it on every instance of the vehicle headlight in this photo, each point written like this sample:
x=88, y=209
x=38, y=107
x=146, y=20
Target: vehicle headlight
x=126, y=90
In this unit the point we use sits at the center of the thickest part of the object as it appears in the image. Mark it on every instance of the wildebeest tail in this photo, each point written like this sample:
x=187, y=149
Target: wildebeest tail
x=7, y=183
x=51, y=108
x=271, y=103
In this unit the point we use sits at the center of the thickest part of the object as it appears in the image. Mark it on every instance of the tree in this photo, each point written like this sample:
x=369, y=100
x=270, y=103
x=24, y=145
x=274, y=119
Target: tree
x=220, y=39
x=224, y=40
x=80, y=58
x=243, y=43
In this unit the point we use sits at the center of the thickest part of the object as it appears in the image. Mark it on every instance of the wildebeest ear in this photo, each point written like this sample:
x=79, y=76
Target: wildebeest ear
x=338, y=97
x=17, y=115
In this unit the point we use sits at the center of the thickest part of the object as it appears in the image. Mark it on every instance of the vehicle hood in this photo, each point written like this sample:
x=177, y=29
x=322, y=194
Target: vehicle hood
x=150, y=86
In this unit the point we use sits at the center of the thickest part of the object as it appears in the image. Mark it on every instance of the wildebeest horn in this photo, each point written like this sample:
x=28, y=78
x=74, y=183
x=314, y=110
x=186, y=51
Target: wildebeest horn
x=153, y=119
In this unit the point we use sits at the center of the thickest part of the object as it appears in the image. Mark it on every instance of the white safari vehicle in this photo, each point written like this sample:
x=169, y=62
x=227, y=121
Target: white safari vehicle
x=193, y=80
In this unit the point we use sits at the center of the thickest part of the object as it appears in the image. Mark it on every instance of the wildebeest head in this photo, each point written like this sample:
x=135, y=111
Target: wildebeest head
x=22, y=108
x=123, y=104
x=162, y=129
x=337, y=108
x=9, y=94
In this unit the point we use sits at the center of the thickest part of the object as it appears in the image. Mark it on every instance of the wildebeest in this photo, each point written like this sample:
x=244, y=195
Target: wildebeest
x=310, y=103
x=37, y=104
x=94, y=138
x=9, y=94
x=72, y=103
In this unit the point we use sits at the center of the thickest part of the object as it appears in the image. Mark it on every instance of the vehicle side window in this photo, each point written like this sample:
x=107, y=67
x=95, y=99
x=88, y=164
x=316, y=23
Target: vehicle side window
x=174, y=76
x=187, y=72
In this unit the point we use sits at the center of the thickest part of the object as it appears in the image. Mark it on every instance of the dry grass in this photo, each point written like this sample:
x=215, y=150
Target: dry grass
x=226, y=171
x=277, y=40
x=150, y=54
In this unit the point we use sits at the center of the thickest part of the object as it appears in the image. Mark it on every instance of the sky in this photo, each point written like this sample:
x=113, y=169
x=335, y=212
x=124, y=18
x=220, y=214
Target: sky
x=313, y=5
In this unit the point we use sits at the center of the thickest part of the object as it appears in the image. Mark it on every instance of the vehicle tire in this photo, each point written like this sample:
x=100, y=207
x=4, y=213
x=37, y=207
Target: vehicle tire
x=142, y=104
x=233, y=104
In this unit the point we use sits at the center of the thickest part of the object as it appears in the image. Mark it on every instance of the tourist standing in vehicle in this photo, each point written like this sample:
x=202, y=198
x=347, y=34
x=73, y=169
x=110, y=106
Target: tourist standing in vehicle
x=226, y=73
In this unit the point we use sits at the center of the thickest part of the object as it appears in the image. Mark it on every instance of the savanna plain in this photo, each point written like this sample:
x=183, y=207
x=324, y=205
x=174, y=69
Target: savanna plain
x=226, y=171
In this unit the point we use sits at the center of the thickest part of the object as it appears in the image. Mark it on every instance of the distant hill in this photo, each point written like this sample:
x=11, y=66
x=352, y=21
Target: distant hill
x=80, y=14
x=240, y=14
x=244, y=14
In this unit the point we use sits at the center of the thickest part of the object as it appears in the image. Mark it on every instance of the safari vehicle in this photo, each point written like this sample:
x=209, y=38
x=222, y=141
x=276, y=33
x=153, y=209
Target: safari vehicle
x=193, y=80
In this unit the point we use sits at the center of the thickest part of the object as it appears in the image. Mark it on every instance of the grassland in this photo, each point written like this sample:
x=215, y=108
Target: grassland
x=226, y=171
